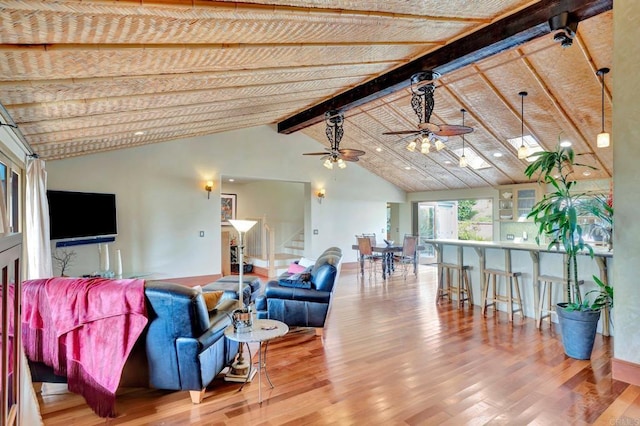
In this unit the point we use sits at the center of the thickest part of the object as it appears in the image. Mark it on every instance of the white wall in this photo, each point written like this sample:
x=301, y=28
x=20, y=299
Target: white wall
x=626, y=152
x=162, y=204
x=281, y=203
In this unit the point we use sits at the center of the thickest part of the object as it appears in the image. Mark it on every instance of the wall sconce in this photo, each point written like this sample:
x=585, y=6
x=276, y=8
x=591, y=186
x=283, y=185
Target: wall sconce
x=208, y=187
x=321, y=193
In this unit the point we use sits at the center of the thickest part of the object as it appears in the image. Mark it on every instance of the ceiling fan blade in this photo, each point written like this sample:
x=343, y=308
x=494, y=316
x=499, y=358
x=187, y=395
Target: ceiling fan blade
x=316, y=153
x=452, y=130
x=402, y=132
x=347, y=152
x=352, y=159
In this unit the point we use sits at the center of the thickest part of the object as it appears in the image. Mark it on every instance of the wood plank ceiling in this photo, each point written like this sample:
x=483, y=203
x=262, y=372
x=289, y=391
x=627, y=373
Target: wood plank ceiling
x=83, y=77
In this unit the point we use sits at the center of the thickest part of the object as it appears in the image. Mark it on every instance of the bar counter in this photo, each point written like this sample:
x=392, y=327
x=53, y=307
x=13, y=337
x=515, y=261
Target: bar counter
x=531, y=260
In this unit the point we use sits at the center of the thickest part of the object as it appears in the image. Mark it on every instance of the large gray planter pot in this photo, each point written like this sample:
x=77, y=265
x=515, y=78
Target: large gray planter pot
x=578, y=330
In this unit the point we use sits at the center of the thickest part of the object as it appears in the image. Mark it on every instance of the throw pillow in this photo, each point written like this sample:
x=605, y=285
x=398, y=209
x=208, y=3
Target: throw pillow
x=211, y=298
x=296, y=268
x=305, y=261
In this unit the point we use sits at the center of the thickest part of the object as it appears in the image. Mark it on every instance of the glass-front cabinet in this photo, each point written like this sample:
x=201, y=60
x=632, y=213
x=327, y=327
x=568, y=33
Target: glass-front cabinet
x=516, y=201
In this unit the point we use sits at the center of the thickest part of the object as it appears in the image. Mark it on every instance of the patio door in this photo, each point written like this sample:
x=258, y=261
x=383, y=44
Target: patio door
x=436, y=220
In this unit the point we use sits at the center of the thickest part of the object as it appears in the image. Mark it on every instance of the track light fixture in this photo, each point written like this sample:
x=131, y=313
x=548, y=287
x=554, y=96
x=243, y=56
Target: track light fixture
x=603, y=140
x=523, y=152
x=565, y=26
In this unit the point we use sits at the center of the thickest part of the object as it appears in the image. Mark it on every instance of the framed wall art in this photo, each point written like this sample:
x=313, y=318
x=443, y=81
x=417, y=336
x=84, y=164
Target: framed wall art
x=227, y=208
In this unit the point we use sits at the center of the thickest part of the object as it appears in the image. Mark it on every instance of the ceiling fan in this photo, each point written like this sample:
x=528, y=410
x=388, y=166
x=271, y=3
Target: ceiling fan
x=422, y=102
x=334, y=132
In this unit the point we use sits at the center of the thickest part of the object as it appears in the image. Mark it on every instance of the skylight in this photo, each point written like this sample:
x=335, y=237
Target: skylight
x=529, y=141
x=473, y=160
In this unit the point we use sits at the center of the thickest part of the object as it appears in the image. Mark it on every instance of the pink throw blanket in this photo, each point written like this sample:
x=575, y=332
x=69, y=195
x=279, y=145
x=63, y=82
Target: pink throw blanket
x=85, y=329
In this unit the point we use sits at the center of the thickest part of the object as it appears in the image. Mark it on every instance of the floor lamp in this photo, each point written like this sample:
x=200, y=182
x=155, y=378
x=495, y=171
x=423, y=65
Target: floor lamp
x=241, y=369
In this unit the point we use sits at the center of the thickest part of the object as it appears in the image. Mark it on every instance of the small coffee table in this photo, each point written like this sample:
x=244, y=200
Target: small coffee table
x=262, y=330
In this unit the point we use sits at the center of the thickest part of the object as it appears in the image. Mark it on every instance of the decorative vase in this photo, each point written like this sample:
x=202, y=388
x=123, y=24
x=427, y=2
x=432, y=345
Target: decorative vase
x=118, y=264
x=578, y=330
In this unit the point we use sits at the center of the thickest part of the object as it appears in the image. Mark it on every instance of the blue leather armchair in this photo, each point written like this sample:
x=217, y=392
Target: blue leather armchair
x=301, y=302
x=185, y=344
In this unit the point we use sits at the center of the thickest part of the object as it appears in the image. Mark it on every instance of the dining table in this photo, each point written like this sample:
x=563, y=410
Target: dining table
x=387, y=251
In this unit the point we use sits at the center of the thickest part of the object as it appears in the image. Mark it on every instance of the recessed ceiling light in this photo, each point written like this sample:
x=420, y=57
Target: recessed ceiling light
x=447, y=161
x=565, y=143
x=586, y=173
x=407, y=168
x=232, y=180
x=379, y=149
x=139, y=133
x=497, y=154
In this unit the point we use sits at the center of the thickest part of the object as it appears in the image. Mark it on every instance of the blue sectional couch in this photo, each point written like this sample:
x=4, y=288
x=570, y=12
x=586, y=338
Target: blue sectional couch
x=302, y=300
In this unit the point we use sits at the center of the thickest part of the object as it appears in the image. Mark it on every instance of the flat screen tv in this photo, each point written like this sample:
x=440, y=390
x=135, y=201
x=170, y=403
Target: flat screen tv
x=76, y=215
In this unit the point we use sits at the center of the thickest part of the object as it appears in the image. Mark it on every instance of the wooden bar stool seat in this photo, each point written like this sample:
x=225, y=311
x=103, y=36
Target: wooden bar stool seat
x=461, y=286
x=512, y=296
x=546, y=309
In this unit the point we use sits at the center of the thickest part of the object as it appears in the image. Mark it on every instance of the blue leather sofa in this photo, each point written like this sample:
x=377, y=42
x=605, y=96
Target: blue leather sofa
x=300, y=302
x=185, y=344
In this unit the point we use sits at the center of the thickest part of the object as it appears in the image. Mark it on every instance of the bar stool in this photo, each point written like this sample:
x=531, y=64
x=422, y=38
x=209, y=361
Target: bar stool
x=545, y=312
x=462, y=287
x=509, y=298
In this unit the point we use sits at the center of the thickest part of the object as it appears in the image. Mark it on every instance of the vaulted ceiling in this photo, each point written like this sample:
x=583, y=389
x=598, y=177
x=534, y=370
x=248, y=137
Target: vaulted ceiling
x=83, y=77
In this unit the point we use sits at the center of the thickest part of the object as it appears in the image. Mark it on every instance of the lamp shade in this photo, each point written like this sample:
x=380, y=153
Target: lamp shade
x=603, y=140
x=242, y=225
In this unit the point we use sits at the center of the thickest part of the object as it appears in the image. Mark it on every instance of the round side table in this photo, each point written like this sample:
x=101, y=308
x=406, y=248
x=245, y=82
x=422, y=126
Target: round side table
x=262, y=330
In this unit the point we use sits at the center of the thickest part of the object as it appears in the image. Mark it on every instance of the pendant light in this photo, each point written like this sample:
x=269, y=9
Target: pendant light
x=463, y=159
x=523, y=152
x=603, y=139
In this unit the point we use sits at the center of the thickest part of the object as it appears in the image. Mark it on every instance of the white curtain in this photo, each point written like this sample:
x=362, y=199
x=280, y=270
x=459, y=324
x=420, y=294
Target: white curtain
x=37, y=224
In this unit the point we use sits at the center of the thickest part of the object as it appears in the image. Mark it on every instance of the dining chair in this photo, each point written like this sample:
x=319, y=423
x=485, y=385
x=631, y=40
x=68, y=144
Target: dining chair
x=407, y=258
x=366, y=250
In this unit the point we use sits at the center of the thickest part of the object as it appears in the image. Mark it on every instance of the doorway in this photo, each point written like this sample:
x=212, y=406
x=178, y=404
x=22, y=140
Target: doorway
x=436, y=220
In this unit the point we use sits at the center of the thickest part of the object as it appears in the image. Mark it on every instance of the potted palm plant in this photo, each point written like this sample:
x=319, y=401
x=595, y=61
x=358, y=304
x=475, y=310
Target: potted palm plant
x=556, y=215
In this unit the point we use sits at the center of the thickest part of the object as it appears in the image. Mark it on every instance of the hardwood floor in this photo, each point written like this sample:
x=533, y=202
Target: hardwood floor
x=391, y=356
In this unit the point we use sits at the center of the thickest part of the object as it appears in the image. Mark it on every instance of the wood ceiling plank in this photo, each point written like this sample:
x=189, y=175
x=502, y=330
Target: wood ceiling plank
x=516, y=29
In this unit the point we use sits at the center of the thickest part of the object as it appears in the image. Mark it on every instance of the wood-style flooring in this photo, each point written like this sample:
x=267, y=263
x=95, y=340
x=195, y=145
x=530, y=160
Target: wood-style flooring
x=391, y=356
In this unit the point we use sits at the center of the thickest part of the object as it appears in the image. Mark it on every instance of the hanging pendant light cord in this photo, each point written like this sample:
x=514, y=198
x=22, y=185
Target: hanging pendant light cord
x=463, y=111
x=602, y=102
x=522, y=95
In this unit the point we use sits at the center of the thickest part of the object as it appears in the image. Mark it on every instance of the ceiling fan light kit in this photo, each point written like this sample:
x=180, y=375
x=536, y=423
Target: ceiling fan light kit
x=422, y=103
x=523, y=152
x=334, y=120
x=603, y=140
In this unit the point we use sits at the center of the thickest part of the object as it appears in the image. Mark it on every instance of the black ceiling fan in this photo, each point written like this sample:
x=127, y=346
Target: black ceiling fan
x=334, y=132
x=422, y=102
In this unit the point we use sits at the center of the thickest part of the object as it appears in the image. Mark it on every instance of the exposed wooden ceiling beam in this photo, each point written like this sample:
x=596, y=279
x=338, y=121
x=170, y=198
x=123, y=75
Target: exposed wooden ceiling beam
x=509, y=32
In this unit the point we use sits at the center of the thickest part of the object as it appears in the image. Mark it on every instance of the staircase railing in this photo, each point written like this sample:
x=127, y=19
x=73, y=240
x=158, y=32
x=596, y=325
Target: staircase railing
x=270, y=248
x=260, y=243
